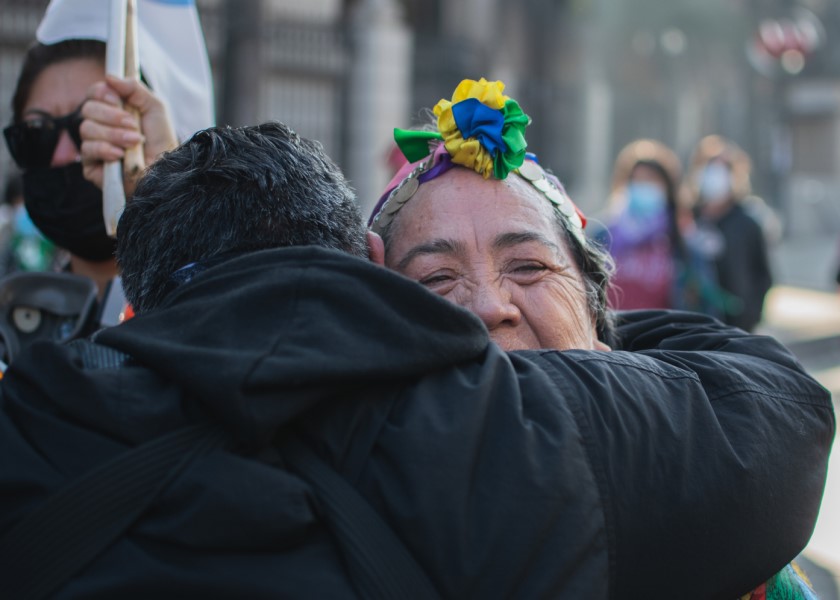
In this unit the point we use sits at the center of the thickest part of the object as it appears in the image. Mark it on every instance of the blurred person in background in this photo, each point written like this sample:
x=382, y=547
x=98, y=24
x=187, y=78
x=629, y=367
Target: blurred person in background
x=45, y=140
x=12, y=200
x=69, y=119
x=837, y=272
x=720, y=179
x=660, y=261
x=22, y=246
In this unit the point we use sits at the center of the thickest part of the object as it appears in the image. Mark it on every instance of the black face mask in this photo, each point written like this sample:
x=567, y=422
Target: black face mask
x=67, y=209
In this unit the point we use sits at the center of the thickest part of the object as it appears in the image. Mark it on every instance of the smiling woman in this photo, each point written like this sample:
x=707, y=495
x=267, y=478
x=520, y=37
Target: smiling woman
x=493, y=232
x=476, y=220
x=492, y=247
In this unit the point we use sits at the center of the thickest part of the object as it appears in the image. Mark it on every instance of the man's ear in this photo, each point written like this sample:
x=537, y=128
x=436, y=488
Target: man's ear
x=376, y=248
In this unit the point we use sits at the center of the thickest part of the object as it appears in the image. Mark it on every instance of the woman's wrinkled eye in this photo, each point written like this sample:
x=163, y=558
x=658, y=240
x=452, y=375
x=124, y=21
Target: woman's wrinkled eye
x=530, y=268
x=527, y=270
x=439, y=282
x=436, y=279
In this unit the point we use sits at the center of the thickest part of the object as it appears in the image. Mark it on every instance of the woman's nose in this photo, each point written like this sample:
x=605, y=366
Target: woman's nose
x=65, y=151
x=493, y=305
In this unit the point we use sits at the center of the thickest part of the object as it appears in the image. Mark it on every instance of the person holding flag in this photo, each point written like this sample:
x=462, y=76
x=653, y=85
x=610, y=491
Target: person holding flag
x=63, y=91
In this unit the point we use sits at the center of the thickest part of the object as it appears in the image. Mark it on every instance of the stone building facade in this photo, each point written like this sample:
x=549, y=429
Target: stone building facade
x=594, y=74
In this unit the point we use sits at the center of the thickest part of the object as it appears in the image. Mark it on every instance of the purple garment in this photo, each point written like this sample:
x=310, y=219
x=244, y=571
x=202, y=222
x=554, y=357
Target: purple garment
x=644, y=262
x=627, y=231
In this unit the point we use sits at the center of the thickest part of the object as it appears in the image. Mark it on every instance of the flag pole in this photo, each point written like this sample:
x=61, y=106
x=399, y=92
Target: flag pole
x=133, y=162
x=121, y=60
x=113, y=193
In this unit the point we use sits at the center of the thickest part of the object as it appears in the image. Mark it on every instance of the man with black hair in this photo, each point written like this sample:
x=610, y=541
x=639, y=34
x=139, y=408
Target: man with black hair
x=260, y=188
x=333, y=430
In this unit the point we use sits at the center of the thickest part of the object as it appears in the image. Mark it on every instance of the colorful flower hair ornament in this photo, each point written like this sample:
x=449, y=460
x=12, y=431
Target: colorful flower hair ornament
x=481, y=128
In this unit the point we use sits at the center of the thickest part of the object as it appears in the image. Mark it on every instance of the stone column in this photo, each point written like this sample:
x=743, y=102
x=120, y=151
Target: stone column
x=379, y=92
x=597, y=104
x=242, y=66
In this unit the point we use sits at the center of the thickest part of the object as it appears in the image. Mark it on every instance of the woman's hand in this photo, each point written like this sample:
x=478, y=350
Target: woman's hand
x=108, y=129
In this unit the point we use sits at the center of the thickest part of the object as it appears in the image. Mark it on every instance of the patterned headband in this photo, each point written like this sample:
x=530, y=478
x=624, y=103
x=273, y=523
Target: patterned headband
x=480, y=129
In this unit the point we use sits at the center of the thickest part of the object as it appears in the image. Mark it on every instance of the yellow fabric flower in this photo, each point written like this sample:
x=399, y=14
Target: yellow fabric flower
x=488, y=93
x=469, y=153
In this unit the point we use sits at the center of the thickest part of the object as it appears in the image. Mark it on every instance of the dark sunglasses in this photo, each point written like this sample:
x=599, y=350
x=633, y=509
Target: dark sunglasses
x=32, y=142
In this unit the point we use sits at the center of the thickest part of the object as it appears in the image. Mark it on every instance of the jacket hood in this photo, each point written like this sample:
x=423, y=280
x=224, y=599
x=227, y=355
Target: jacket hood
x=265, y=336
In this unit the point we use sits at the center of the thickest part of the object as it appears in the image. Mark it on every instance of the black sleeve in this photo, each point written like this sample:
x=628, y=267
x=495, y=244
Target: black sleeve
x=716, y=482
x=691, y=466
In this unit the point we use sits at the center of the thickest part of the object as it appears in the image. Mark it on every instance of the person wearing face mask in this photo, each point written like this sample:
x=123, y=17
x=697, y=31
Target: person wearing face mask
x=44, y=138
x=720, y=176
x=650, y=237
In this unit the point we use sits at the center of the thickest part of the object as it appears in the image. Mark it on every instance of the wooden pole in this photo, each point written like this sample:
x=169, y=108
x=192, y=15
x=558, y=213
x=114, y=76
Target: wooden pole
x=133, y=162
x=121, y=60
x=113, y=193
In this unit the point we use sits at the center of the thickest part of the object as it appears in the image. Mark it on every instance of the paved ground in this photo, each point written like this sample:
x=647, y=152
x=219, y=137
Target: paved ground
x=803, y=311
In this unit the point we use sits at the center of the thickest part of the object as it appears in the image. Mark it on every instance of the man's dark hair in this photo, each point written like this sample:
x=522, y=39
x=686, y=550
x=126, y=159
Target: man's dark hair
x=228, y=191
x=40, y=56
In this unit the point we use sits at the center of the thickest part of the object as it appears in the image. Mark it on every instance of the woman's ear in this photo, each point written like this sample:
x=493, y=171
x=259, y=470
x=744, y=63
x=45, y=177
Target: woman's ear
x=376, y=248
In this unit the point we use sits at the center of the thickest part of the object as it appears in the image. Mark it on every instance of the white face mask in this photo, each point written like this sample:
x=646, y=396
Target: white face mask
x=715, y=184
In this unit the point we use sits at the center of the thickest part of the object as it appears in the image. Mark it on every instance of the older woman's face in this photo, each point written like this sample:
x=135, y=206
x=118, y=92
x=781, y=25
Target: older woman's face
x=492, y=247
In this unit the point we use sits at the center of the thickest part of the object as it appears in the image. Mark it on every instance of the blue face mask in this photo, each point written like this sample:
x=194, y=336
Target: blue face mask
x=715, y=184
x=645, y=200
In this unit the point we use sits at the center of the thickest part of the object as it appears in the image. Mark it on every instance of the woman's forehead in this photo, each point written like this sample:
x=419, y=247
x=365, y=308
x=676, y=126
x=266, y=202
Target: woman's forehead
x=466, y=211
x=462, y=196
x=62, y=86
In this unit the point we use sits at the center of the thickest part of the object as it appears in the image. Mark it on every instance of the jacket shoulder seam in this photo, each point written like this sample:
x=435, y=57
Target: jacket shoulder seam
x=667, y=370
x=795, y=396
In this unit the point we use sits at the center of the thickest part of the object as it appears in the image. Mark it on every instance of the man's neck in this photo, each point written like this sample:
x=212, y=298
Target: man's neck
x=100, y=272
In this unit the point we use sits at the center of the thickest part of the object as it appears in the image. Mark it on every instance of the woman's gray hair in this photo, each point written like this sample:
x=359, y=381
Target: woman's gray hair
x=596, y=267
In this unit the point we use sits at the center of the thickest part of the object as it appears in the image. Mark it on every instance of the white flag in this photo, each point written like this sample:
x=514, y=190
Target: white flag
x=173, y=55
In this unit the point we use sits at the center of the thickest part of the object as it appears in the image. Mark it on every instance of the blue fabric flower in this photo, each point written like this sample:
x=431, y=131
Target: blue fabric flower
x=478, y=120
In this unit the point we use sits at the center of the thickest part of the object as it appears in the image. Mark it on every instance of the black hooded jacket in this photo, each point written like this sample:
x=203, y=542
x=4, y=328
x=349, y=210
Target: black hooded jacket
x=692, y=463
